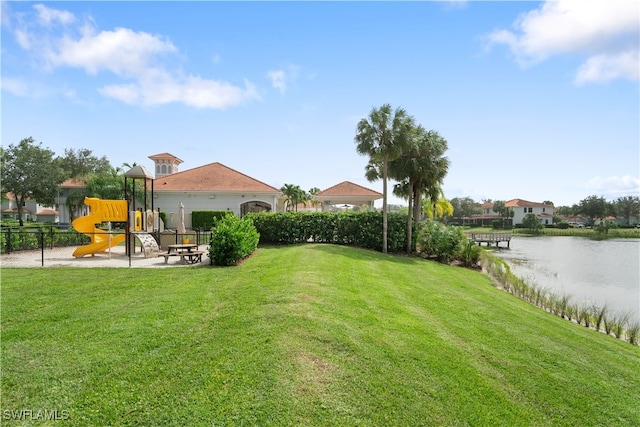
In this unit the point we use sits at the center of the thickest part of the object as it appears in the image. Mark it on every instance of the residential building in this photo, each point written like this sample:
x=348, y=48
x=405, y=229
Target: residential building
x=544, y=212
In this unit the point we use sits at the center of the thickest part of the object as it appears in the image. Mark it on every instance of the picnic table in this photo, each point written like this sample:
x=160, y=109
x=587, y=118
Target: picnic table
x=188, y=253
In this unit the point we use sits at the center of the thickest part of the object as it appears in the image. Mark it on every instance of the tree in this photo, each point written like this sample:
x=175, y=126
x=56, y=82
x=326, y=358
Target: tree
x=293, y=195
x=81, y=163
x=312, y=194
x=106, y=185
x=30, y=171
x=532, y=223
x=502, y=210
x=436, y=205
x=464, y=208
x=627, y=207
x=383, y=136
x=595, y=207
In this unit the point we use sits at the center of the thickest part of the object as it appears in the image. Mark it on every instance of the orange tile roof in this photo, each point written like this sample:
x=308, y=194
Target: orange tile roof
x=166, y=156
x=73, y=182
x=212, y=177
x=348, y=188
x=513, y=203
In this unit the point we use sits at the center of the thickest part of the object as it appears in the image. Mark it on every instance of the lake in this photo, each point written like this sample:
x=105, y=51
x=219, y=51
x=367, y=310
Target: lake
x=592, y=272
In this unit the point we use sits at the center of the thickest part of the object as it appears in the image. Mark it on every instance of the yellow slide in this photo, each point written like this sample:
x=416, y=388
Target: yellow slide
x=101, y=211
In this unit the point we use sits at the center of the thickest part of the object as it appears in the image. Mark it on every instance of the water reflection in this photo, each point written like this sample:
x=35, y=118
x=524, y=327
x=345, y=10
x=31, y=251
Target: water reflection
x=592, y=272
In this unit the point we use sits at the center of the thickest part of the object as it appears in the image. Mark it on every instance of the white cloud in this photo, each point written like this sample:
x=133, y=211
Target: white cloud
x=14, y=86
x=614, y=186
x=604, y=68
x=278, y=80
x=48, y=16
x=604, y=31
x=281, y=79
x=138, y=58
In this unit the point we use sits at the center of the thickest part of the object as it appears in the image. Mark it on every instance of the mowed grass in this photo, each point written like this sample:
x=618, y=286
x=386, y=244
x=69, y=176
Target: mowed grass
x=304, y=335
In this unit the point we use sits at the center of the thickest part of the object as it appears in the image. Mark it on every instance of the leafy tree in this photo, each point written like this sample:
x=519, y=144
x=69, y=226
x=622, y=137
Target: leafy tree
x=627, y=207
x=532, y=223
x=80, y=163
x=30, y=171
x=383, y=136
x=106, y=185
x=436, y=205
x=594, y=207
x=502, y=210
x=464, y=207
x=565, y=211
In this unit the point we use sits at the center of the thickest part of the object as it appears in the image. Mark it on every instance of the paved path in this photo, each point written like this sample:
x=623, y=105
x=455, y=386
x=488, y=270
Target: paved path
x=61, y=257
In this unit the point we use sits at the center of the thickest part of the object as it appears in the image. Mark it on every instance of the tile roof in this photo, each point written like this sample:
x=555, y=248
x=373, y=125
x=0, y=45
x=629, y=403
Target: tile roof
x=73, y=182
x=348, y=188
x=513, y=203
x=165, y=156
x=212, y=177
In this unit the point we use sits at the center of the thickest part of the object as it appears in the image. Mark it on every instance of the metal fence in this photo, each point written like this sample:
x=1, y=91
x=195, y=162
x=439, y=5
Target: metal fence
x=40, y=246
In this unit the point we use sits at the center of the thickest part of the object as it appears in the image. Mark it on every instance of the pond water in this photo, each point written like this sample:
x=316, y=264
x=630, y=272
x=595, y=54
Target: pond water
x=592, y=272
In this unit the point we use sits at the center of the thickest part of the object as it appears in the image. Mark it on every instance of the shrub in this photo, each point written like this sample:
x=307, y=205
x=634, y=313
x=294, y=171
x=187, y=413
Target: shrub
x=232, y=240
x=207, y=219
x=436, y=240
x=470, y=254
x=563, y=225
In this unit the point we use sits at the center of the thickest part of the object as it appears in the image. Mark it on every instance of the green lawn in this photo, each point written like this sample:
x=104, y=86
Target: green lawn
x=303, y=335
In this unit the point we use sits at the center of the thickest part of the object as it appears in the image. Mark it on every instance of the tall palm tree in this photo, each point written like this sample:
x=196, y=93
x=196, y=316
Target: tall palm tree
x=383, y=136
x=293, y=195
x=419, y=170
x=312, y=194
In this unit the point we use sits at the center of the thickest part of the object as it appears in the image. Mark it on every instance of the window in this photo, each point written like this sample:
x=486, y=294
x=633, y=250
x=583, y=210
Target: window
x=530, y=210
x=542, y=209
x=164, y=168
x=157, y=168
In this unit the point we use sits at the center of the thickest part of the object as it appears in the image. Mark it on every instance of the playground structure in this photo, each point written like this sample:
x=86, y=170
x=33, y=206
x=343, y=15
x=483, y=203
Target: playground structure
x=138, y=225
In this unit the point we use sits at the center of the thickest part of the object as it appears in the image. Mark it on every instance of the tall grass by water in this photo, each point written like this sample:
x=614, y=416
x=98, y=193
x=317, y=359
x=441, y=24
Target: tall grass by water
x=303, y=335
x=619, y=325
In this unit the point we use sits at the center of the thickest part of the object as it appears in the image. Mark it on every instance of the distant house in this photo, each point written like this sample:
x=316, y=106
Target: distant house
x=10, y=208
x=210, y=187
x=66, y=189
x=31, y=210
x=544, y=212
x=347, y=195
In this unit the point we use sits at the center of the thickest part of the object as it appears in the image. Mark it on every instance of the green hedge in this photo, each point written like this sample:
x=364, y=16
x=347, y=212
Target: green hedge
x=361, y=229
x=207, y=219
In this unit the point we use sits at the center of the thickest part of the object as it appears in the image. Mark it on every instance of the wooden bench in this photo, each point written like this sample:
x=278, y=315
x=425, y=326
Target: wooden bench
x=186, y=257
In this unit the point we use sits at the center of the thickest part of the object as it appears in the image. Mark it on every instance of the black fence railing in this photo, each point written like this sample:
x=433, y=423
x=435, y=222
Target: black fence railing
x=51, y=242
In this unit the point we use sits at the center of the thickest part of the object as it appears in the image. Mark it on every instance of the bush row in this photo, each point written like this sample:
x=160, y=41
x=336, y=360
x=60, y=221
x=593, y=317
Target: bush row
x=361, y=229
x=445, y=244
x=207, y=219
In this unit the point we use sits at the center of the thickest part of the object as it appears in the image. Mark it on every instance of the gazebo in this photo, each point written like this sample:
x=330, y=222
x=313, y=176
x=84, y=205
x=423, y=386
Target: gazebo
x=347, y=193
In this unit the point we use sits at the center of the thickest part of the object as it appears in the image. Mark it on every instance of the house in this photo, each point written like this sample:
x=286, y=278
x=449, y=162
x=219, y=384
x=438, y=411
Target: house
x=520, y=209
x=10, y=208
x=31, y=210
x=210, y=187
x=347, y=194
x=66, y=190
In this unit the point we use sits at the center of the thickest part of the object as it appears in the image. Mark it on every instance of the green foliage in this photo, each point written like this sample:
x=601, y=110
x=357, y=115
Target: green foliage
x=470, y=254
x=207, y=219
x=163, y=217
x=604, y=226
x=436, y=240
x=563, y=225
x=532, y=224
x=232, y=240
x=30, y=171
x=361, y=229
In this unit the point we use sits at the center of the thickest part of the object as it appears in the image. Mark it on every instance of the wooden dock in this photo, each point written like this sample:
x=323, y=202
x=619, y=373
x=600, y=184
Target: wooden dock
x=489, y=238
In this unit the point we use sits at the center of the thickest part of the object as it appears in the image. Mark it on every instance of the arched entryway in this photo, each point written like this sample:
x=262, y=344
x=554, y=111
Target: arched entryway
x=254, y=206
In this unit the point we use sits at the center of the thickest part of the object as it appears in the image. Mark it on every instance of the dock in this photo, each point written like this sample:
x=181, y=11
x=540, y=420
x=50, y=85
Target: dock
x=489, y=238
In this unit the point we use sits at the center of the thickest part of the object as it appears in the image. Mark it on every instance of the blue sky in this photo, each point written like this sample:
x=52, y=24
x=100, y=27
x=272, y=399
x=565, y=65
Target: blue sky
x=538, y=101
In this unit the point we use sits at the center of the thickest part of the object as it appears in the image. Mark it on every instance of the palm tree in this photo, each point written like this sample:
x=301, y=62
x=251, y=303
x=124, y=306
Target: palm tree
x=436, y=205
x=419, y=170
x=312, y=194
x=293, y=195
x=383, y=136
